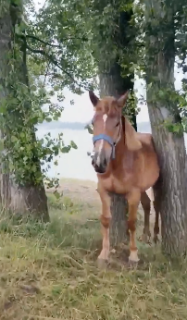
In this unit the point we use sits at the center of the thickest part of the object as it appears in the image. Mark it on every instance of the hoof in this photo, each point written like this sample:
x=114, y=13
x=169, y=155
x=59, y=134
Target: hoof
x=133, y=258
x=132, y=264
x=155, y=239
x=102, y=264
x=145, y=238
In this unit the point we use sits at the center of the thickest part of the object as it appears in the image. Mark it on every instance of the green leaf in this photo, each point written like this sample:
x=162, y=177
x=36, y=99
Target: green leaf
x=57, y=194
x=89, y=128
x=161, y=93
x=73, y=145
x=66, y=149
x=1, y=145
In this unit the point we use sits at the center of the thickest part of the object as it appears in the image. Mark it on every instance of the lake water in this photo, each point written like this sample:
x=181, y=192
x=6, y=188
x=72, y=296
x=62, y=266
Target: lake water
x=75, y=164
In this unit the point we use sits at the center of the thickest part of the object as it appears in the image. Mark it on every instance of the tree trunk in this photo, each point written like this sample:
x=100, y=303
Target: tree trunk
x=118, y=230
x=114, y=85
x=29, y=200
x=5, y=40
x=170, y=146
x=29, y=197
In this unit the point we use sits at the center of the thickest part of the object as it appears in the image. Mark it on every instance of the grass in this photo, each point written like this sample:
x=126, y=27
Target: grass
x=50, y=272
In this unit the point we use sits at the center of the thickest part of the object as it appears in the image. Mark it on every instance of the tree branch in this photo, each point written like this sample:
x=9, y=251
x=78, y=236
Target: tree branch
x=51, y=58
x=42, y=41
x=53, y=45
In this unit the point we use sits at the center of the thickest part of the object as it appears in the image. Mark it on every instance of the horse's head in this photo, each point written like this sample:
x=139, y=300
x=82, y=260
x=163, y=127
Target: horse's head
x=107, y=129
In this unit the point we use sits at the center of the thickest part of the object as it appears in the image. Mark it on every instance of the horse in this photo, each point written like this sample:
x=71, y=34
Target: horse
x=126, y=163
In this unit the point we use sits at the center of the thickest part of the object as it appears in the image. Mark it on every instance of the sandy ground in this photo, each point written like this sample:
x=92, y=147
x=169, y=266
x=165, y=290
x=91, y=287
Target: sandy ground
x=86, y=190
x=80, y=189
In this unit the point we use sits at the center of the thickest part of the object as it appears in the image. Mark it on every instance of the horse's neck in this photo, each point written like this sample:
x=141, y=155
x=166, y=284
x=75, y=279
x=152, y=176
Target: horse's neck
x=123, y=157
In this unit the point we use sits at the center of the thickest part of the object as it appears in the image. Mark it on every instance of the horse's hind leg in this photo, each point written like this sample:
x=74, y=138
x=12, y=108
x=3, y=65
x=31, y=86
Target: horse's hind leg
x=156, y=204
x=133, y=199
x=146, y=204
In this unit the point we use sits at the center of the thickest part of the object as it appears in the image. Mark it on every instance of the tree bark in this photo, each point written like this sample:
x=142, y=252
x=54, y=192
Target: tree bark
x=5, y=38
x=118, y=230
x=28, y=198
x=170, y=146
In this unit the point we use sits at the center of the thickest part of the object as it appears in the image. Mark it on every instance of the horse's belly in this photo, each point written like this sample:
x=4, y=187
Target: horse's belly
x=148, y=180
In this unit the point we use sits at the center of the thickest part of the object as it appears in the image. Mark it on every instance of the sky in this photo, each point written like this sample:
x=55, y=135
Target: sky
x=82, y=110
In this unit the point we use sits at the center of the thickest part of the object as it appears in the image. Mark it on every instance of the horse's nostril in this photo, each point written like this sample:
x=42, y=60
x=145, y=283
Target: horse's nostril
x=105, y=162
x=99, y=169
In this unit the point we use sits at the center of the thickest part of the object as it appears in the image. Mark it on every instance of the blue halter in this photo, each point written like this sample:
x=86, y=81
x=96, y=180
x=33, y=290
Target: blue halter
x=108, y=139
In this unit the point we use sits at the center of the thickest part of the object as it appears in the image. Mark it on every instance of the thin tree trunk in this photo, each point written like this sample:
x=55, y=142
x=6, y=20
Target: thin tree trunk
x=5, y=47
x=113, y=84
x=30, y=197
x=170, y=146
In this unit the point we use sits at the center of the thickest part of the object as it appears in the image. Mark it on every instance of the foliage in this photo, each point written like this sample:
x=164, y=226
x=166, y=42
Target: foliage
x=61, y=52
x=35, y=79
x=62, y=42
x=64, y=48
x=163, y=24
x=106, y=42
x=129, y=47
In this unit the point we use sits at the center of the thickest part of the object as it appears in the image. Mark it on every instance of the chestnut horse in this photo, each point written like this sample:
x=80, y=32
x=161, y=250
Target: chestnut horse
x=126, y=163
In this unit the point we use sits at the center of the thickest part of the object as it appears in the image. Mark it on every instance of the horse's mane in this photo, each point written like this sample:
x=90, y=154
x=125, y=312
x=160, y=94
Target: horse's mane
x=130, y=135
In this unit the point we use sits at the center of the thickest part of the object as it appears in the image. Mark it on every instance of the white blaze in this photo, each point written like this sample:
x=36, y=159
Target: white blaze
x=101, y=142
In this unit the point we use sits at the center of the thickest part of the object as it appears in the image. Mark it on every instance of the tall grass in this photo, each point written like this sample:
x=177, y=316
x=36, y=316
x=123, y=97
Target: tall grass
x=49, y=272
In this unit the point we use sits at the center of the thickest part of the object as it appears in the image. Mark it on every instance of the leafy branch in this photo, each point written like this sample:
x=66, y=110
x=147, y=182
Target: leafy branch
x=55, y=62
x=55, y=45
x=42, y=41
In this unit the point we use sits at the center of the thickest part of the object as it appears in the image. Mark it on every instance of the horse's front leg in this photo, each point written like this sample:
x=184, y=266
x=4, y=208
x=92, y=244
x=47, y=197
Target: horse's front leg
x=105, y=223
x=146, y=204
x=133, y=199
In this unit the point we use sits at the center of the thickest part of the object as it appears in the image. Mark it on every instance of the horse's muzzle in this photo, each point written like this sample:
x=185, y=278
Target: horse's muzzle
x=99, y=162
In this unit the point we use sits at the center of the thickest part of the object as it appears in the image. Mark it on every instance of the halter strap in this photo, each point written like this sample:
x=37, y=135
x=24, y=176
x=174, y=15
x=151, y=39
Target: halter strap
x=108, y=139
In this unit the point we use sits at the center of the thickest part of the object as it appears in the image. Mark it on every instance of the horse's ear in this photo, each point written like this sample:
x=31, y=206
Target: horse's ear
x=94, y=99
x=122, y=100
x=131, y=137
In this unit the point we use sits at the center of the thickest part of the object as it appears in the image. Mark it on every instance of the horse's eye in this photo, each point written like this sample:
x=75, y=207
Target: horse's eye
x=117, y=124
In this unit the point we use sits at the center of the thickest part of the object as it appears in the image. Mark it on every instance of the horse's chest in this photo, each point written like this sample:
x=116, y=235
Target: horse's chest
x=114, y=184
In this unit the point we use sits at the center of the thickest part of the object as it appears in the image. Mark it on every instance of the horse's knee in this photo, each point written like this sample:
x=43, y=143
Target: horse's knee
x=147, y=206
x=105, y=221
x=156, y=229
x=146, y=202
x=131, y=225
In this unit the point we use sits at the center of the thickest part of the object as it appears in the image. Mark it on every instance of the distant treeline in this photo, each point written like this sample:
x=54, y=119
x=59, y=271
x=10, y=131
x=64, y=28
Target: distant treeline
x=142, y=126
